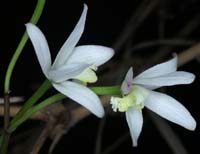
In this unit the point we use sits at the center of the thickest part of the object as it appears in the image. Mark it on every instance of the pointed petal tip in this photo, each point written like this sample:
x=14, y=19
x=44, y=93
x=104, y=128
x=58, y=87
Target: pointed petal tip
x=192, y=77
x=130, y=73
x=187, y=77
x=110, y=52
x=135, y=122
x=29, y=25
x=192, y=125
x=134, y=144
x=128, y=81
x=107, y=52
x=26, y=24
x=85, y=6
x=174, y=54
x=100, y=114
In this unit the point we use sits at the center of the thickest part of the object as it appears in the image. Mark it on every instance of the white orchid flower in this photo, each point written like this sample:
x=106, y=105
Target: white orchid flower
x=73, y=66
x=137, y=94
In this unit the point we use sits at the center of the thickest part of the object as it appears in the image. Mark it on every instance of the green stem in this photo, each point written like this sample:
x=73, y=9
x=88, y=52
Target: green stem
x=32, y=100
x=34, y=19
x=4, y=143
x=109, y=90
x=35, y=109
x=6, y=134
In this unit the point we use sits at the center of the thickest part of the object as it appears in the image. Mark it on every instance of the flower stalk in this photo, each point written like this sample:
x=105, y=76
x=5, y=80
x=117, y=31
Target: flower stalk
x=35, y=109
x=28, y=112
x=107, y=90
x=32, y=100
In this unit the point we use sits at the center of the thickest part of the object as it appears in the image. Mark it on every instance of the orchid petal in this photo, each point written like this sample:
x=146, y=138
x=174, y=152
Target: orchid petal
x=66, y=72
x=135, y=121
x=127, y=83
x=41, y=47
x=67, y=48
x=92, y=54
x=87, y=76
x=81, y=95
x=160, y=69
x=170, y=109
x=175, y=78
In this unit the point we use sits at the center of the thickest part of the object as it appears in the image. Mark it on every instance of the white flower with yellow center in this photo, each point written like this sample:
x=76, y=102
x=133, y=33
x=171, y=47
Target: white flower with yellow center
x=137, y=94
x=73, y=67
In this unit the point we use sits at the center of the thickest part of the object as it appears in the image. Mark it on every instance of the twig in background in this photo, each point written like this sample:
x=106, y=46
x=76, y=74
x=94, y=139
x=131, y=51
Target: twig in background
x=163, y=42
x=117, y=143
x=98, y=144
x=184, y=32
x=162, y=18
x=61, y=130
x=61, y=127
x=143, y=11
x=15, y=109
x=44, y=135
x=189, y=54
x=168, y=134
x=52, y=117
x=6, y=134
x=22, y=142
x=15, y=99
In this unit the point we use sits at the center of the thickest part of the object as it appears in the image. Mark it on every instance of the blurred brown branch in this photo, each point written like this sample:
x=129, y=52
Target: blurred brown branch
x=137, y=18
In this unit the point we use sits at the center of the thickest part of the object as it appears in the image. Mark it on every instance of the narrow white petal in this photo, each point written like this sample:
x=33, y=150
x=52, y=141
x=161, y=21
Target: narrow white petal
x=170, y=109
x=81, y=95
x=67, y=48
x=127, y=83
x=160, y=69
x=135, y=122
x=170, y=79
x=41, y=47
x=92, y=54
x=66, y=72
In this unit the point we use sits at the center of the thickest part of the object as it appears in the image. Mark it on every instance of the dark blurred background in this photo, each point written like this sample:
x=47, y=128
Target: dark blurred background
x=143, y=33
